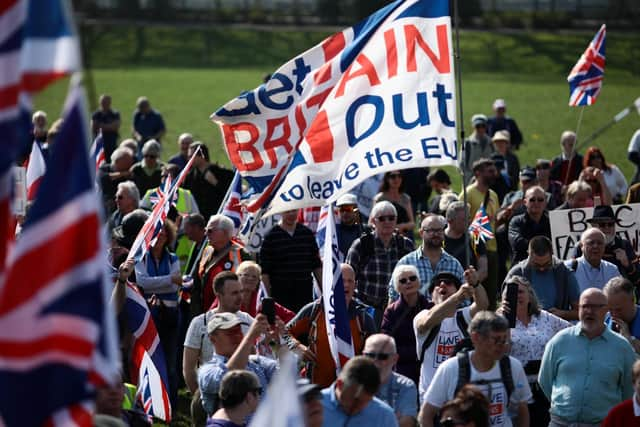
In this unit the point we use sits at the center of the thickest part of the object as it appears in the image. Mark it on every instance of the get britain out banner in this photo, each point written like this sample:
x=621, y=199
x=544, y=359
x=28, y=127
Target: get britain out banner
x=568, y=225
x=373, y=98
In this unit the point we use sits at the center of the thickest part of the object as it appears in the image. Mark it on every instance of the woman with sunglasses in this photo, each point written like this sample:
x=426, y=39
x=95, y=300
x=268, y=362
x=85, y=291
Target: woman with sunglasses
x=613, y=178
x=534, y=328
x=470, y=408
x=392, y=190
x=397, y=320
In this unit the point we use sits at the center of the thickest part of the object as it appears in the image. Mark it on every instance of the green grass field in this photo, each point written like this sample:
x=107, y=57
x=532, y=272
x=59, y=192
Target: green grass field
x=188, y=74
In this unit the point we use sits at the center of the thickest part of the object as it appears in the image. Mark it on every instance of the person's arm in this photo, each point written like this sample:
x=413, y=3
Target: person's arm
x=605, y=195
x=519, y=244
x=406, y=421
x=119, y=293
x=189, y=367
x=427, y=414
x=427, y=319
x=240, y=357
x=569, y=315
x=480, y=300
x=297, y=327
x=157, y=283
x=523, y=414
x=547, y=370
x=483, y=268
x=113, y=126
x=95, y=126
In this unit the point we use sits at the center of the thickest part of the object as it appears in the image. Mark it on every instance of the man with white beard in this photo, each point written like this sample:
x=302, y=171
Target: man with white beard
x=617, y=250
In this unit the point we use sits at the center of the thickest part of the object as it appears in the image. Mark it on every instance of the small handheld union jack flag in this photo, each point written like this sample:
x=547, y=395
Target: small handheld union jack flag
x=480, y=227
x=585, y=79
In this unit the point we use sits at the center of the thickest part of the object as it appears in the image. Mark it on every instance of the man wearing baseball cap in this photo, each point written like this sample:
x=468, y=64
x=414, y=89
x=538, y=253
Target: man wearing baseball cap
x=503, y=122
x=350, y=226
x=233, y=351
x=477, y=146
x=439, y=328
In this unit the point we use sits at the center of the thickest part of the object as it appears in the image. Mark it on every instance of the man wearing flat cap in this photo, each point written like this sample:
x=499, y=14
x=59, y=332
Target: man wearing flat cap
x=439, y=328
x=617, y=250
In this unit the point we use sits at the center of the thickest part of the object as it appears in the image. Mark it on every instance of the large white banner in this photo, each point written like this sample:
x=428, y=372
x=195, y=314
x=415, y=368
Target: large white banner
x=376, y=97
x=568, y=225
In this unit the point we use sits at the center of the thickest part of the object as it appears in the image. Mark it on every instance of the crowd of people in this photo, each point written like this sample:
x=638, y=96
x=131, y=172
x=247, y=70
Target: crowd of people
x=439, y=339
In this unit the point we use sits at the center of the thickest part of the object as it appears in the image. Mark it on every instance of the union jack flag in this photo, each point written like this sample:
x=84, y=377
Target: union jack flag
x=37, y=47
x=97, y=151
x=231, y=206
x=480, y=227
x=36, y=168
x=149, y=370
x=57, y=334
x=585, y=79
x=147, y=235
x=335, y=306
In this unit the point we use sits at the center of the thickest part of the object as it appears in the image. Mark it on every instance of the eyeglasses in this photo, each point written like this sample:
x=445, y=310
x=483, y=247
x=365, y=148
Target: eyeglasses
x=544, y=166
x=395, y=175
x=150, y=156
x=447, y=282
x=211, y=230
x=119, y=197
x=433, y=230
x=592, y=306
x=347, y=208
x=257, y=391
x=389, y=218
x=450, y=422
x=500, y=341
x=378, y=356
x=406, y=280
x=536, y=199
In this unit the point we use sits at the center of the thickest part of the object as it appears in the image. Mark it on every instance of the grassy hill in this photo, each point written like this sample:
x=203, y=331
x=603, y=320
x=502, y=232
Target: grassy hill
x=188, y=73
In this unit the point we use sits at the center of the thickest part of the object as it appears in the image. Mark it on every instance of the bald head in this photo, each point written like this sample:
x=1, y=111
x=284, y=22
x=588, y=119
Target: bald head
x=591, y=233
x=593, y=295
x=380, y=343
x=592, y=312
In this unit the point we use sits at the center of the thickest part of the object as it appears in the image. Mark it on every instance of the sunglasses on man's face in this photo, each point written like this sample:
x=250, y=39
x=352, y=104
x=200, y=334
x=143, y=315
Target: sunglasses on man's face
x=378, y=356
x=387, y=218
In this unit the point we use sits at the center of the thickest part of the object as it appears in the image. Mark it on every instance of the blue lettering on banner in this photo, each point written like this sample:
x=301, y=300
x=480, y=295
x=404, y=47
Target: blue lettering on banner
x=378, y=105
x=423, y=111
x=431, y=144
x=250, y=108
x=267, y=95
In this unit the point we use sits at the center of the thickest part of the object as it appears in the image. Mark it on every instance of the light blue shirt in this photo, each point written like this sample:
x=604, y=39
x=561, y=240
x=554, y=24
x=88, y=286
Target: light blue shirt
x=401, y=394
x=376, y=413
x=446, y=263
x=589, y=277
x=584, y=378
x=210, y=376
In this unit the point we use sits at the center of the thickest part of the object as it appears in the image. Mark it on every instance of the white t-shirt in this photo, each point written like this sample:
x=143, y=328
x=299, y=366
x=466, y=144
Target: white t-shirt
x=197, y=337
x=440, y=349
x=443, y=386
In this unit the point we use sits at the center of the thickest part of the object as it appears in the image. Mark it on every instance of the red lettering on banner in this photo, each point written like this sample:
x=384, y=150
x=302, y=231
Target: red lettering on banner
x=270, y=144
x=367, y=69
x=331, y=47
x=392, y=53
x=235, y=147
x=495, y=409
x=412, y=37
x=445, y=350
x=320, y=138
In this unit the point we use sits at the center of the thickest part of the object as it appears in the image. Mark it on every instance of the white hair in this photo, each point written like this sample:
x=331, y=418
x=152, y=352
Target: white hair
x=130, y=187
x=223, y=222
x=399, y=270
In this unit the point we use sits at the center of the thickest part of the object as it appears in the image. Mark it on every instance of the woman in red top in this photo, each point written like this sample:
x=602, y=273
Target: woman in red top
x=625, y=414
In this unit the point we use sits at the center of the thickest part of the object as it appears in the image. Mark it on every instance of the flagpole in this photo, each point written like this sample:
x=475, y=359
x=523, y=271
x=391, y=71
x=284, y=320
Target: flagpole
x=574, y=149
x=618, y=117
x=456, y=23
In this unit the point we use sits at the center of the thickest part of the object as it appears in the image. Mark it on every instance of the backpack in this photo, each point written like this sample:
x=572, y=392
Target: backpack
x=433, y=333
x=464, y=374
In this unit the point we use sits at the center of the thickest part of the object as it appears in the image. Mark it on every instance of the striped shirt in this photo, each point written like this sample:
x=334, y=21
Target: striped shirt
x=446, y=263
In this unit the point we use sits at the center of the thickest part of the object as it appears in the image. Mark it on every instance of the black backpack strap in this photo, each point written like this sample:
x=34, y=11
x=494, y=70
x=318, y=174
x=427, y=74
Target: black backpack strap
x=462, y=324
x=433, y=333
x=507, y=378
x=464, y=370
x=574, y=265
